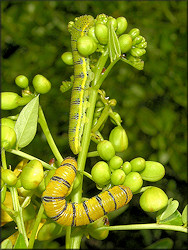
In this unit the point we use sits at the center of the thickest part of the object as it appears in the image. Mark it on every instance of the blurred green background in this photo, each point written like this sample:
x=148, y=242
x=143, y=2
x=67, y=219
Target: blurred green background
x=152, y=102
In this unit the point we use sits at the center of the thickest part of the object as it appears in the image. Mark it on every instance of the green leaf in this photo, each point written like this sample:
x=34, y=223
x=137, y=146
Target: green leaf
x=174, y=219
x=26, y=124
x=113, y=43
x=169, y=210
x=20, y=242
x=137, y=64
x=165, y=243
x=184, y=215
x=6, y=244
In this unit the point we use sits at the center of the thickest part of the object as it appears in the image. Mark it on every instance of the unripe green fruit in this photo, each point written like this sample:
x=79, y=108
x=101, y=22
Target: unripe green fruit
x=32, y=175
x=118, y=177
x=8, y=137
x=122, y=25
x=86, y=45
x=134, y=181
x=105, y=150
x=125, y=42
x=154, y=171
x=91, y=33
x=127, y=167
x=136, y=52
x=101, y=222
x=134, y=33
x=7, y=122
x=153, y=199
x=116, y=162
x=9, y=100
x=22, y=81
x=67, y=58
x=118, y=138
x=9, y=177
x=138, y=164
x=101, y=32
x=101, y=173
x=41, y=84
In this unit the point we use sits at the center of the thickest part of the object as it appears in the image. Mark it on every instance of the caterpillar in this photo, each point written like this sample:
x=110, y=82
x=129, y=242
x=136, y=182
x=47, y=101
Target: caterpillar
x=74, y=214
x=82, y=78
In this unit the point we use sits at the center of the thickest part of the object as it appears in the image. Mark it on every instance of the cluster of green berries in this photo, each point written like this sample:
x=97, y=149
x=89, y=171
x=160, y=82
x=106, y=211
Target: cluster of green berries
x=114, y=171
x=98, y=36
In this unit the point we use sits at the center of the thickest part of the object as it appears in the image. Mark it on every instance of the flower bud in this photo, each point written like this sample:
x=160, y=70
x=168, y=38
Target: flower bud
x=138, y=164
x=118, y=138
x=118, y=177
x=101, y=222
x=136, y=52
x=32, y=175
x=8, y=122
x=115, y=162
x=8, y=137
x=127, y=167
x=41, y=84
x=153, y=199
x=91, y=33
x=8, y=177
x=134, y=181
x=67, y=58
x=121, y=25
x=22, y=81
x=86, y=45
x=134, y=33
x=125, y=42
x=101, y=32
x=9, y=100
x=106, y=150
x=154, y=171
x=101, y=173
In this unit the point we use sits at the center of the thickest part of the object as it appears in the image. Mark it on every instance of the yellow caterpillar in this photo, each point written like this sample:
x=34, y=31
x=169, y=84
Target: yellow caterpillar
x=74, y=214
x=82, y=79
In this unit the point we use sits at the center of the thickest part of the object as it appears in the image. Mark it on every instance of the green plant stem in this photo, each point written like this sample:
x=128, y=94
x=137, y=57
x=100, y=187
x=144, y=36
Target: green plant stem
x=93, y=154
x=102, y=118
x=88, y=175
x=9, y=211
x=18, y=213
x=46, y=131
x=67, y=238
x=111, y=114
x=26, y=201
x=35, y=227
x=30, y=157
x=145, y=226
x=3, y=159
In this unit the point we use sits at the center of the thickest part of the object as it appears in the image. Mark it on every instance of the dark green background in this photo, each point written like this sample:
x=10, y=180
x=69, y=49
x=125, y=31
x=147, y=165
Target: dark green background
x=152, y=102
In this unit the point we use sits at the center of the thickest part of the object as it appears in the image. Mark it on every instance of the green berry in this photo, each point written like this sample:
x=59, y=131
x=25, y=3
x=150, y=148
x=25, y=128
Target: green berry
x=154, y=171
x=9, y=100
x=22, y=81
x=118, y=138
x=67, y=58
x=118, y=177
x=138, y=164
x=8, y=137
x=116, y=162
x=101, y=32
x=106, y=150
x=86, y=45
x=134, y=181
x=41, y=84
x=121, y=25
x=9, y=177
x=7, y=122
x=101, y=173
x=125, y=42
x=153, y=199
x=127, y=167
x=32, y=175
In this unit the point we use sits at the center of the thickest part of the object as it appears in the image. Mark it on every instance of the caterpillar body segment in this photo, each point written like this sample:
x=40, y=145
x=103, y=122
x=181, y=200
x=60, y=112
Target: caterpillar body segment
x=74, y=214
x=82, y=78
